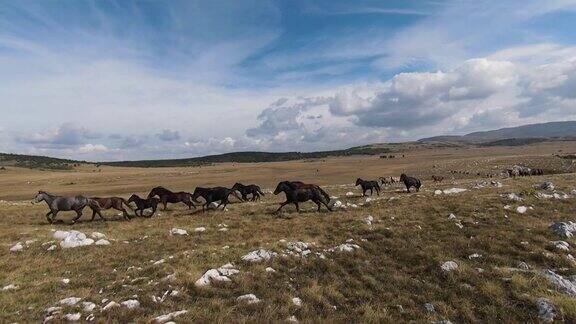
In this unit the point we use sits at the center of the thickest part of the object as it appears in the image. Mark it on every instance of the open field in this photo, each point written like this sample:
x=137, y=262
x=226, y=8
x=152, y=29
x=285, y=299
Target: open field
x=391, y=272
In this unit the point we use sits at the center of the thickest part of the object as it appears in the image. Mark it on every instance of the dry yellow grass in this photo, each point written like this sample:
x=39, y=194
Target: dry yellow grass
x=389, y=279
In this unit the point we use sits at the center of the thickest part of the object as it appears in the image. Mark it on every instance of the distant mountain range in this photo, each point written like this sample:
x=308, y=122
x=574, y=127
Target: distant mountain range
x=512, y=136
x=532, y=131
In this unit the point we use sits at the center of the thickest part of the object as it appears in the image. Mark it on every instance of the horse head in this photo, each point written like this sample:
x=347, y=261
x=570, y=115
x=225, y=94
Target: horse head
x=132, y=198
x=41, y=195
x=282, y=186
x=237, y=185
x=403, y=177
x=358, y=181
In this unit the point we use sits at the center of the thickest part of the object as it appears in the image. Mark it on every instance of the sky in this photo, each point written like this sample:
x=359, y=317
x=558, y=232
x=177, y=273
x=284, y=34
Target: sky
x=129, y=80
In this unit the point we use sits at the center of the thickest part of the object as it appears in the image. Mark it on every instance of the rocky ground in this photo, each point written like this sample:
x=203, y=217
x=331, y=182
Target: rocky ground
x=464, y=250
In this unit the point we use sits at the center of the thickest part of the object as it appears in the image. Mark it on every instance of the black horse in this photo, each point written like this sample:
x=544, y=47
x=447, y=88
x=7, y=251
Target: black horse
x=59, y=203
x=142, y=204
x=297, y=192
x=244, y=190
x=368, y=185
x=410, y=182
x=210, y=195
x=166, y=196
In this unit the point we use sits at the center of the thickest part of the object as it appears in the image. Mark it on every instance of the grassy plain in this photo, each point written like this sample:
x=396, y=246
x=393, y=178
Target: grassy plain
x=389, y=278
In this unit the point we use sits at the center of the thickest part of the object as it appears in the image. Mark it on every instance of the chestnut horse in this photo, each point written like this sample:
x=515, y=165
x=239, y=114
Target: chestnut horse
x=117, y=203
x=166, y=196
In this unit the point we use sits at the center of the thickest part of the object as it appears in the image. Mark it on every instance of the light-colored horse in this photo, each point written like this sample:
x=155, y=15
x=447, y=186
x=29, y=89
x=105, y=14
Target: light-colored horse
x=59, y=203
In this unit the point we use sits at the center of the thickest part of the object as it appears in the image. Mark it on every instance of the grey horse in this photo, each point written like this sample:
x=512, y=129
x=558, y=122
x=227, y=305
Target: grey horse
x=59, y=203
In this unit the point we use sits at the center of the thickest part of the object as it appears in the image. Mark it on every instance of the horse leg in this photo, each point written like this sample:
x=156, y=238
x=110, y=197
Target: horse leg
x=54, y=214
x=78, y=215
x=297, y=206
x=318, y=204
x=93, y=215
x=48, y=217
x=282, y=205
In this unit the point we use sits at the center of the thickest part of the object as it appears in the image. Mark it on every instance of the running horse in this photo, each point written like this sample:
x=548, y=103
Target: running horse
x=368, y=185
x=211, y=195
x=297, y=192
x=60, y=203
x=166, y=196
x=246, y=190
x=117, y=203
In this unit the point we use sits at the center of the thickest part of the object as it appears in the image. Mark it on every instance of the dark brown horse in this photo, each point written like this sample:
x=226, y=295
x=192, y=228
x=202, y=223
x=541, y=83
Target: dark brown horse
x=368, y=185
x=142, y=204
x=246, y=190
x=117, y=203
x=297, y=192
x=410, y=182
x=211, y=195
x=166, y=196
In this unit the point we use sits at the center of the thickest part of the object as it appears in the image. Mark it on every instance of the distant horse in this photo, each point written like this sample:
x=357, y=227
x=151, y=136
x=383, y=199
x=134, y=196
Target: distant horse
x=385, y=181
x=59, y=203
x=368, y=185
x=410, y=182
x=142, y=204
x=117, y=203
x=297, y=192
x=210, y=195
x=166, y=196
x=437, y=178
x=252, y=189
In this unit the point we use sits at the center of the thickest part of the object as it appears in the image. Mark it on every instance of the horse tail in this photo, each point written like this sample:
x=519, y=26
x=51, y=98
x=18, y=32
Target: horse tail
x=259, y=191
x=127, y=204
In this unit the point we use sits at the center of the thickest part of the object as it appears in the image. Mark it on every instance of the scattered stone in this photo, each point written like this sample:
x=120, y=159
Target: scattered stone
x=248, y=298
x=97, y=235
x=200, y=229
x=259, y=255
x=270, y=270
x=65, y=281
x=345, y=247
x=102, y=242
x=449, y=266
x=88, y=306
x=297, y=301
x=9, y=287
x=17, y=247
x=349, y=194
x=453, y=191
x=169, y=317
x=438, y=192
x=563, y=229
x=51, y=247
x=130, y=304
x=474, y=256
x=70, y=301
x=292, y=319
x=561, y=283
x=546, y=310
x=451, y=216
x=221, y=274
x=368, y=220
x=429, y=307
x=178, y=231
x=72, y=317
x=521, y=209
x=513, y=197
x=110, y=306
x=73, y=239
x=561, y=245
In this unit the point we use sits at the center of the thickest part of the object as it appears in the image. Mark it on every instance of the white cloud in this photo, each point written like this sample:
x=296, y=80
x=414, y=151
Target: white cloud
x=91, y=148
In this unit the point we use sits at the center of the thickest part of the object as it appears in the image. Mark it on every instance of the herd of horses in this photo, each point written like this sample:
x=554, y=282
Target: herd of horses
x=296, y=192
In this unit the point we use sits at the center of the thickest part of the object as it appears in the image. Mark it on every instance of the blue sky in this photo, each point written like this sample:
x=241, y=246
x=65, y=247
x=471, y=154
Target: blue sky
x=114, y=80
